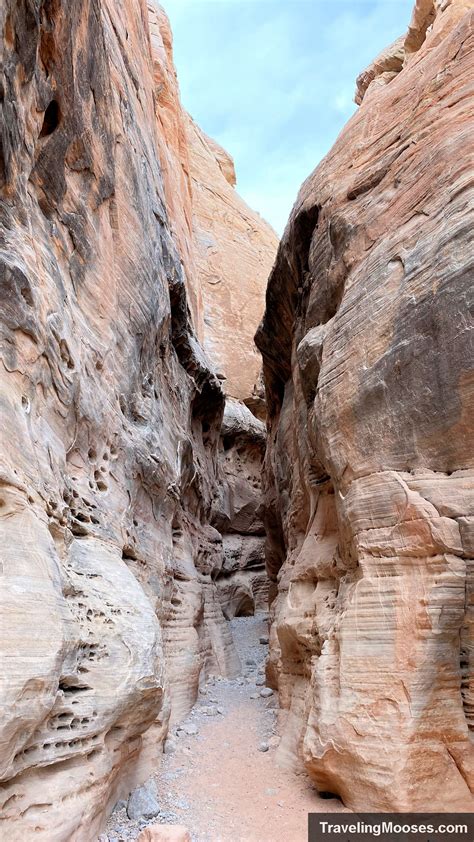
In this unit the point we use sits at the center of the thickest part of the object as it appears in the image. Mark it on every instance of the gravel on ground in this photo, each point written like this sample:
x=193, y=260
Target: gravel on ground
x=221, y=780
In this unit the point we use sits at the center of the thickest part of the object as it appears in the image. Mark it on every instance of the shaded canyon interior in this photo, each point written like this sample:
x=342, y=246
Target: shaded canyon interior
x=155, y=483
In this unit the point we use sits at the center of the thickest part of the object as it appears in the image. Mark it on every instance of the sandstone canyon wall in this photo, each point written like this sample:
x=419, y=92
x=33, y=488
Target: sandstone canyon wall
x=232, y=245
x=227, y=248
x=367, y=346
x=111, y=412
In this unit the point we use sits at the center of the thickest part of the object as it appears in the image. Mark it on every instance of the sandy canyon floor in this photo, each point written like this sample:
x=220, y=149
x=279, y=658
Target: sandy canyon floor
x=220, y=778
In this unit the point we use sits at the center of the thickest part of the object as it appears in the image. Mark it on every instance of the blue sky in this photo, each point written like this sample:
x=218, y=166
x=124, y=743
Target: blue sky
x=273, y=81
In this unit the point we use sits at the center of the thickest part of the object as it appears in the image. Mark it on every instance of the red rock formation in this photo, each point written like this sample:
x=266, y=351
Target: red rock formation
x=227, y=248
x=234, y=250
x=369, y=470
x=227, y=252
x=111, y=416
x=174, y=154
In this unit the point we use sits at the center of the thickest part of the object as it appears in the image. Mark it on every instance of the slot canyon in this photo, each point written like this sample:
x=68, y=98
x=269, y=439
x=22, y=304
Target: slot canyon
x=237, y=474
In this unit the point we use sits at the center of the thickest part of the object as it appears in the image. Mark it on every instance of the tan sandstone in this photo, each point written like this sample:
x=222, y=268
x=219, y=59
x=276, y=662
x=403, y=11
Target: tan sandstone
x=242, y=582
x=235, y=249
x=369, y=471
x=111, y=416
x=227, y=248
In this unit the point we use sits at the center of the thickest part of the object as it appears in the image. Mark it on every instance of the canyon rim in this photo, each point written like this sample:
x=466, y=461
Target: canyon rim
x=155, y=484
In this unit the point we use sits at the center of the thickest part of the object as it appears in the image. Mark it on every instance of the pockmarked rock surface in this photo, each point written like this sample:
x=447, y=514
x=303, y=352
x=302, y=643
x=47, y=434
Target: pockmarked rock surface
x=111, y=416
x=369, y=474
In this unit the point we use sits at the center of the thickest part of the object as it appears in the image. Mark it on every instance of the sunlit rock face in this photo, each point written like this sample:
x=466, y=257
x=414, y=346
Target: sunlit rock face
x=174, y=155
x=369, y=469
x=235, y=249
x=227, y=248
x=111, y=416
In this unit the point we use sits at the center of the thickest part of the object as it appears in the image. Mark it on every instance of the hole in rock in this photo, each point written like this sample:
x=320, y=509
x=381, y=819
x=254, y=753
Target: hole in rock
x=71, y=689
x=51, y=119
x=27, y=296
x=246, y=607
x=327, y=795
x=304, y=227
x=78, y=530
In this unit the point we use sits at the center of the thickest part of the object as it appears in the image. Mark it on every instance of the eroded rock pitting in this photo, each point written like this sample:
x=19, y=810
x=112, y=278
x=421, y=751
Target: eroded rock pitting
x=111, y=409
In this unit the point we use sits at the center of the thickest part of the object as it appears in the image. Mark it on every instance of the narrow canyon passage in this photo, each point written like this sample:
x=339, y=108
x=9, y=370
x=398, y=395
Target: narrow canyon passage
x=218, y=782
x=201, y=421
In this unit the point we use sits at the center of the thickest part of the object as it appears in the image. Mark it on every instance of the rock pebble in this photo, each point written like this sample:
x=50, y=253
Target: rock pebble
x=143, y=802
x=169, y=746
x=120, y=805
x=165, y=833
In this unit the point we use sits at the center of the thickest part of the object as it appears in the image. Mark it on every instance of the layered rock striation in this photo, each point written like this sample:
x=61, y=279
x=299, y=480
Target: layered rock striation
x=234, y=250
x=111, y=415
x=369, y=474
x=227, y=248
